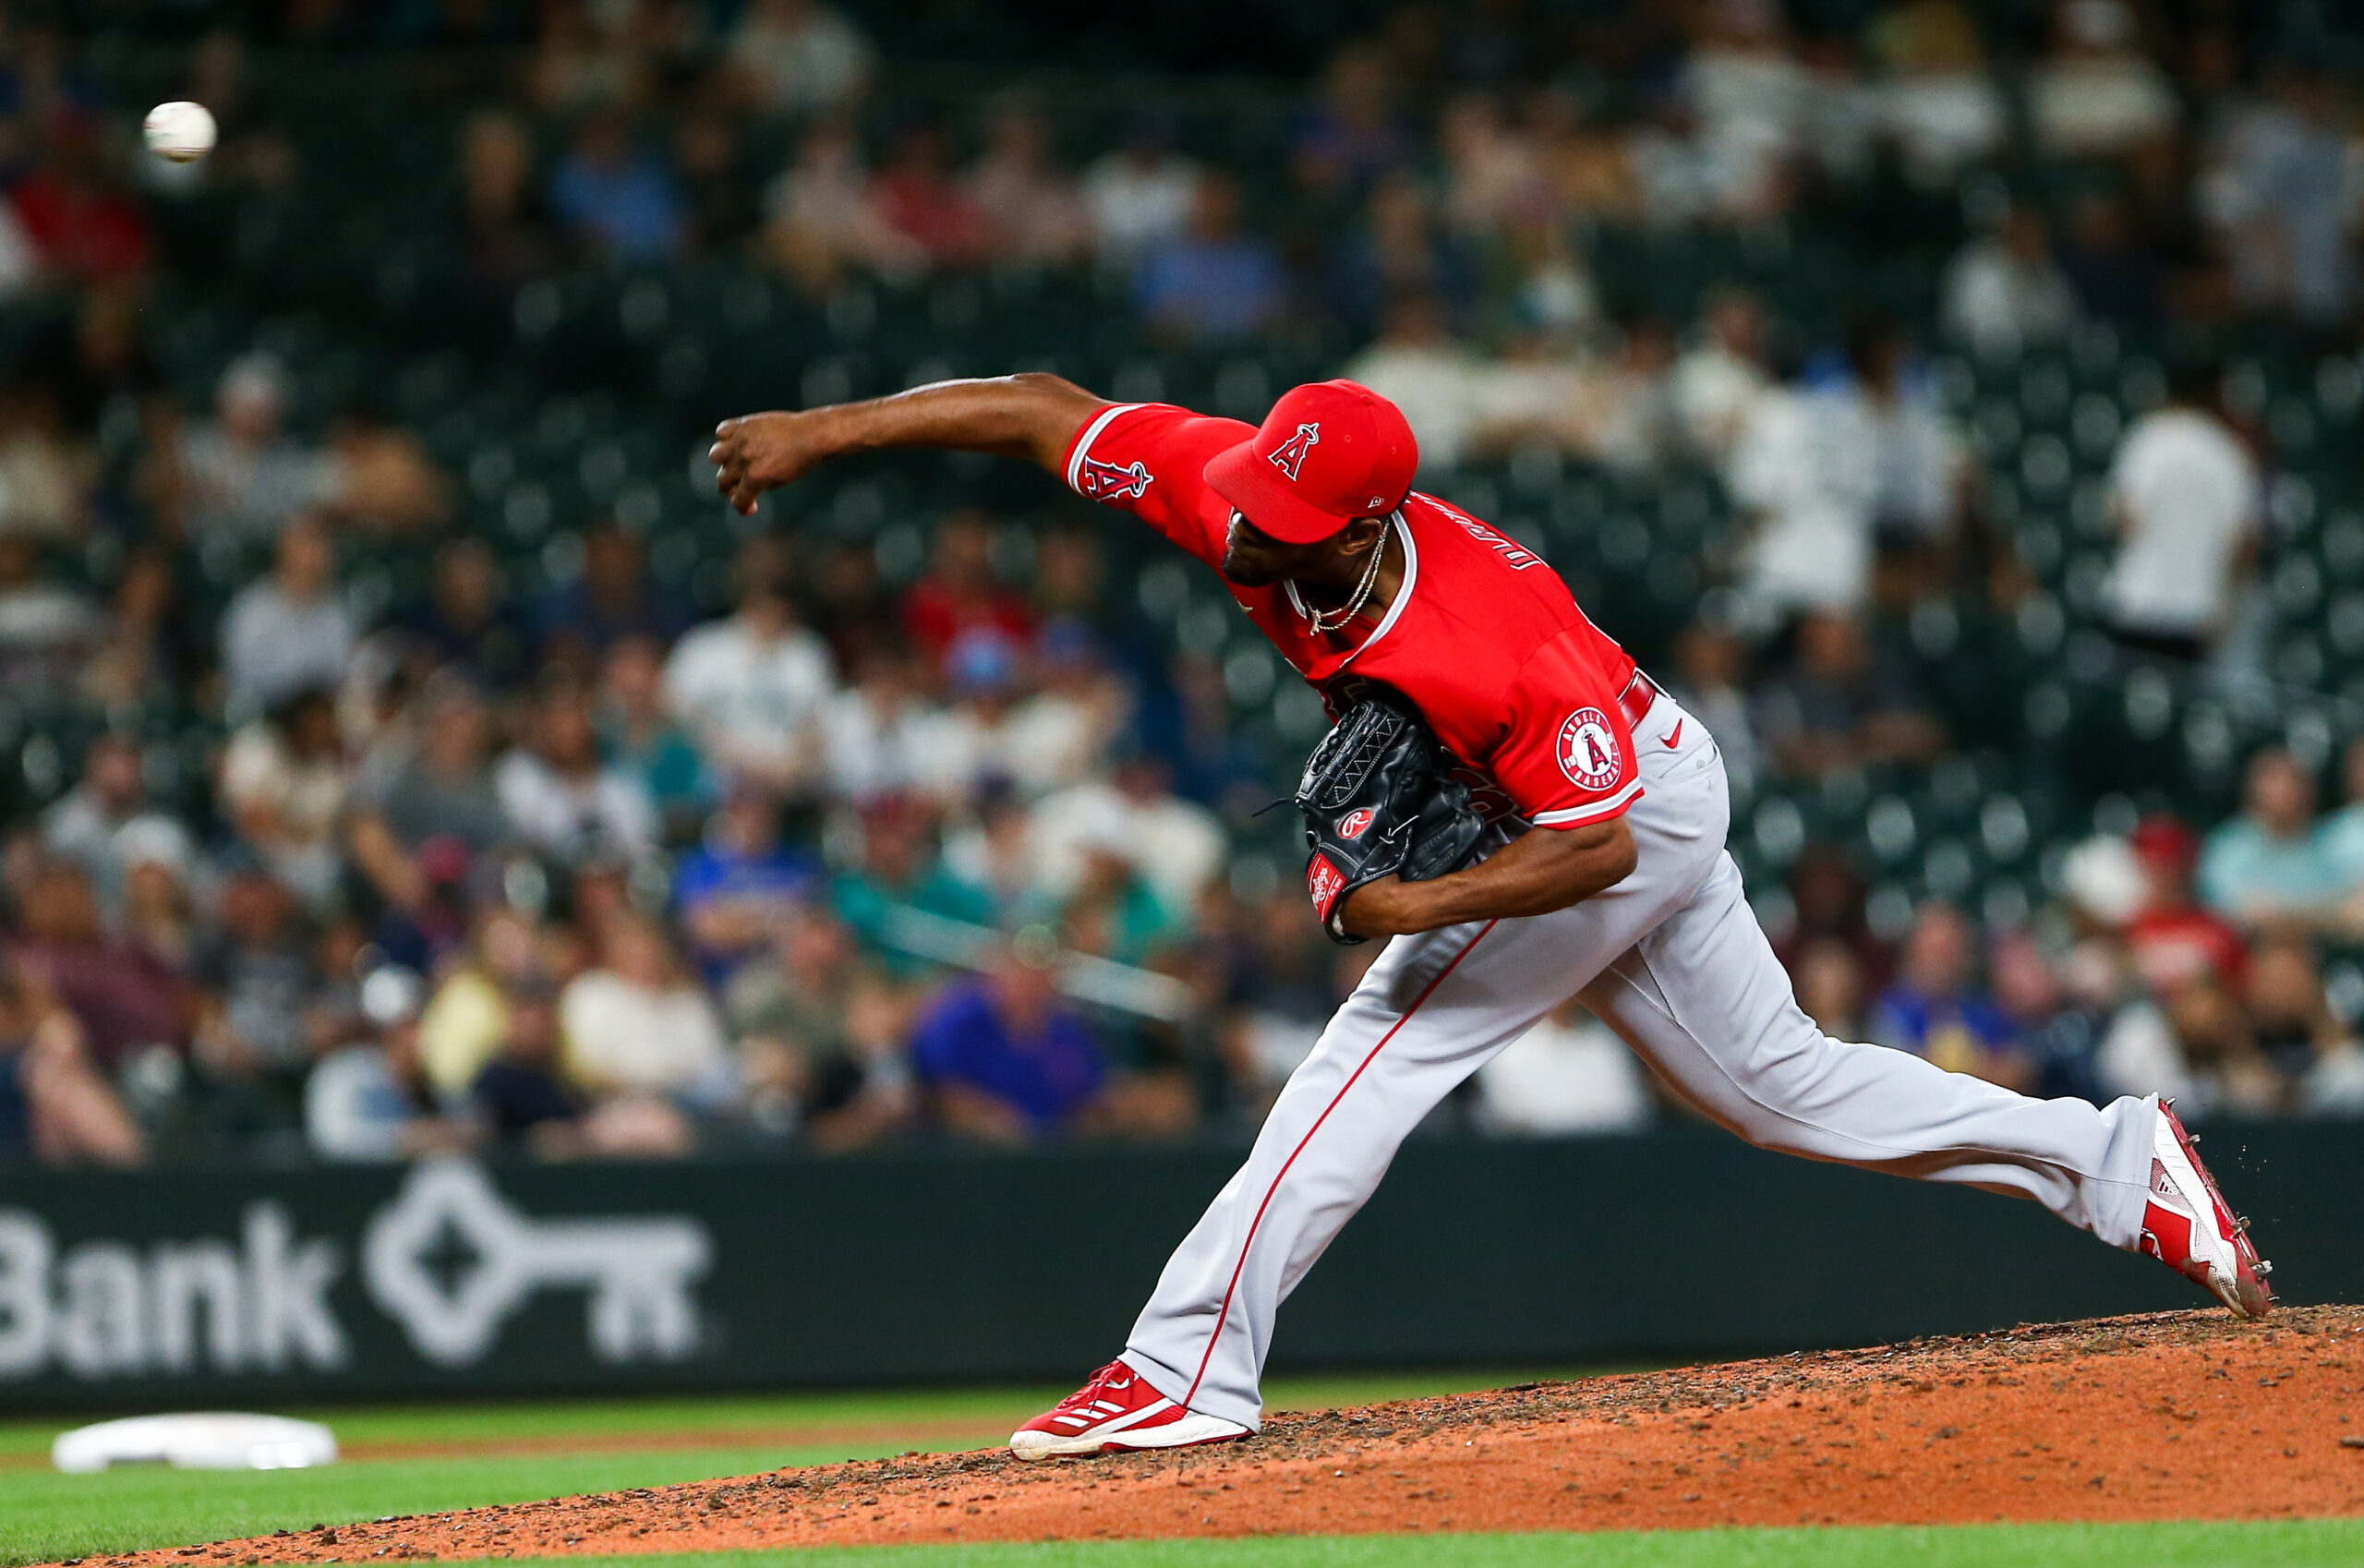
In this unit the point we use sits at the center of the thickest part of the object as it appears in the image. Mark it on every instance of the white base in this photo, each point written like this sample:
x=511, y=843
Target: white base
x=196, y=1441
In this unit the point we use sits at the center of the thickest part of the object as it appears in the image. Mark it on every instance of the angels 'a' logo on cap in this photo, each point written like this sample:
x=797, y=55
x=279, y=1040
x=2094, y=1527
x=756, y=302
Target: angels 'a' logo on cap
x=1588, y=749
x=1290, y=455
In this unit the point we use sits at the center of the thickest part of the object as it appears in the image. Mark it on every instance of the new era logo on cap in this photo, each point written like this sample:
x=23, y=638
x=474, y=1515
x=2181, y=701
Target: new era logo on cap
x=1328, y=452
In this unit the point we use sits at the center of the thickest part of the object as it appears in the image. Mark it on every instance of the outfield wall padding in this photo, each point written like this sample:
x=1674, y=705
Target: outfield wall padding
x=215, y=1286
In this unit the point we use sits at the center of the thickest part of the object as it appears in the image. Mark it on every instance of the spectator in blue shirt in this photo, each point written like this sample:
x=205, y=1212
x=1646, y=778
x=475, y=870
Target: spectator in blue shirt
x=2343, y=830
x=1003, y=1060
x=2271, y=864
x=1936, y=1009
x=619, y=200
x=1214, y=282
x=736, y=888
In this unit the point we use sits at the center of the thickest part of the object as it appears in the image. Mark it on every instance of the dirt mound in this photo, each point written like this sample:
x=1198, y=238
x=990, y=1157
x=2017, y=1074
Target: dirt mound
x=2181, y=1415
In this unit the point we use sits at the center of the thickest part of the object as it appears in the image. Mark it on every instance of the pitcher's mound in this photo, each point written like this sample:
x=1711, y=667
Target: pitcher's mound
x=2178, y=1415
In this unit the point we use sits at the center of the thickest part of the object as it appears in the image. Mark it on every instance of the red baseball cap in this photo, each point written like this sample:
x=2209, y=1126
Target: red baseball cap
x=1329, y=453
x=2162, y=841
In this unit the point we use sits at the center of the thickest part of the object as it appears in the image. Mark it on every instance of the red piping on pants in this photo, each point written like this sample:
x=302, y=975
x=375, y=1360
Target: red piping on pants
x=1223, y=1316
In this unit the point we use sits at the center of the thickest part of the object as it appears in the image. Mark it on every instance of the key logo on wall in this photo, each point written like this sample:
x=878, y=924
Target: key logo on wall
x=637, y=1272
x=448, y=1258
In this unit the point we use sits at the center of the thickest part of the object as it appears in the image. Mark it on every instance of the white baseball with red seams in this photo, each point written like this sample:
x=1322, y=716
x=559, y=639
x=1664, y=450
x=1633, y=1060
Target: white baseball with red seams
x=1559, y=729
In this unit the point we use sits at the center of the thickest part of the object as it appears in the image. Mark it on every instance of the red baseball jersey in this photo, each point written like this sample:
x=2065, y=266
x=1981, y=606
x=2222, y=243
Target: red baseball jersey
x=1483, y=636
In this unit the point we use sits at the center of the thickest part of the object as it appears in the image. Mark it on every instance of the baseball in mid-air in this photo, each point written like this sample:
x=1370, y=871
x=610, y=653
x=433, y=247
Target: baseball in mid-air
x=181, y=132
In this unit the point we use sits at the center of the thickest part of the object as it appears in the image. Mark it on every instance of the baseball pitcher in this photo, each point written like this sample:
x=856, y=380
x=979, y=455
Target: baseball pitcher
x=1523, y=815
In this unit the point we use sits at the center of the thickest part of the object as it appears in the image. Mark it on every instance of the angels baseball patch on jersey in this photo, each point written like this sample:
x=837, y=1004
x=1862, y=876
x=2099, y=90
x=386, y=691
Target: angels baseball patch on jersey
x=1588, y=749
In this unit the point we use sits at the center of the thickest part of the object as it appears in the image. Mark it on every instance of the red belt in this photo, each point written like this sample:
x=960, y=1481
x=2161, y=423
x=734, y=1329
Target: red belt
x=1635, y=701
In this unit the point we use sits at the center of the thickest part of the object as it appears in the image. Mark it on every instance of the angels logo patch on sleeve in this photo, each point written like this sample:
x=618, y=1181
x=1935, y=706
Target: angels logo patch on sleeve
x=1102, y=481
x=1588, y=749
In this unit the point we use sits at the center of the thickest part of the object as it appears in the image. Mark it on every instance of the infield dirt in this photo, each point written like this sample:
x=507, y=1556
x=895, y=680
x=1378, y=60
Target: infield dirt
x=2181, y=1415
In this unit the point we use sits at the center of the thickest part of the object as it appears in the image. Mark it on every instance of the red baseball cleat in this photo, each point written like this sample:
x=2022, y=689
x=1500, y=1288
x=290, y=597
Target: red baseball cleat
x=1116, y=1412
x=2188, y=1228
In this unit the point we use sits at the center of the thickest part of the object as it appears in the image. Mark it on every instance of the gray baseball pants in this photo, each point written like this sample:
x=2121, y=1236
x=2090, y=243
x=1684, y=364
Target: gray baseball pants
x=1674, y=961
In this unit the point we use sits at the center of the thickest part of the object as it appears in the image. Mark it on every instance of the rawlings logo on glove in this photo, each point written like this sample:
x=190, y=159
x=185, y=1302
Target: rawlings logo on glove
x=1324, y=881
x=1380, y=800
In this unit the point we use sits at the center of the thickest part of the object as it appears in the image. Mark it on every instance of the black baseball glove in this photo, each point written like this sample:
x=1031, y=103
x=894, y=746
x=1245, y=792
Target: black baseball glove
x=1380, y=800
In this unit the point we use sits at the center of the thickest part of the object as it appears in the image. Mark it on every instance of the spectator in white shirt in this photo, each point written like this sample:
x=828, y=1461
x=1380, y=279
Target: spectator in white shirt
x=1416, y=364
x=1916, y=465
x=1139, y=196
x=881, y=734
x=639, y=1026
x=751, y=688
x=1803, y=474
x=999, y=732
x=558, y=792
x=2184, y=493
x=2097, y=95
x=1939, y=101
x=1061, y=733
x=1717, y=378
x=979, y=749
x=2281, y=188
x=2005, y=291
x=796, y=57
x=1176, y=845
x=288, y=631
x=241, y=477
x=283, y=784
x=1567, y=1074
x=104, y=818
x=1751, y=98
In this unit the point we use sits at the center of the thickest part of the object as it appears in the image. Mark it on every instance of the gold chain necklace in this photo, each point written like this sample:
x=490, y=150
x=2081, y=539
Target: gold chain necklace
x=1322, y=625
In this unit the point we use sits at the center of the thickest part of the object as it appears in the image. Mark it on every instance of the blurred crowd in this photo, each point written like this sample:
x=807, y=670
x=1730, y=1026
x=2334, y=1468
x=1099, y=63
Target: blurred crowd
x=2173, y=963
x=587, y=873
x=859, y=850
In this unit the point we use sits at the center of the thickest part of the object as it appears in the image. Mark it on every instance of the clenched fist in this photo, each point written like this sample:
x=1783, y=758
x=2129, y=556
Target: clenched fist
x=1030, y=415
x=762, y=452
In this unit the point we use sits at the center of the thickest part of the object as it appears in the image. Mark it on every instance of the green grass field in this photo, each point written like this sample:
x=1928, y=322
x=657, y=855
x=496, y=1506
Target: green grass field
x=419, y=1459
x=424, y=1459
